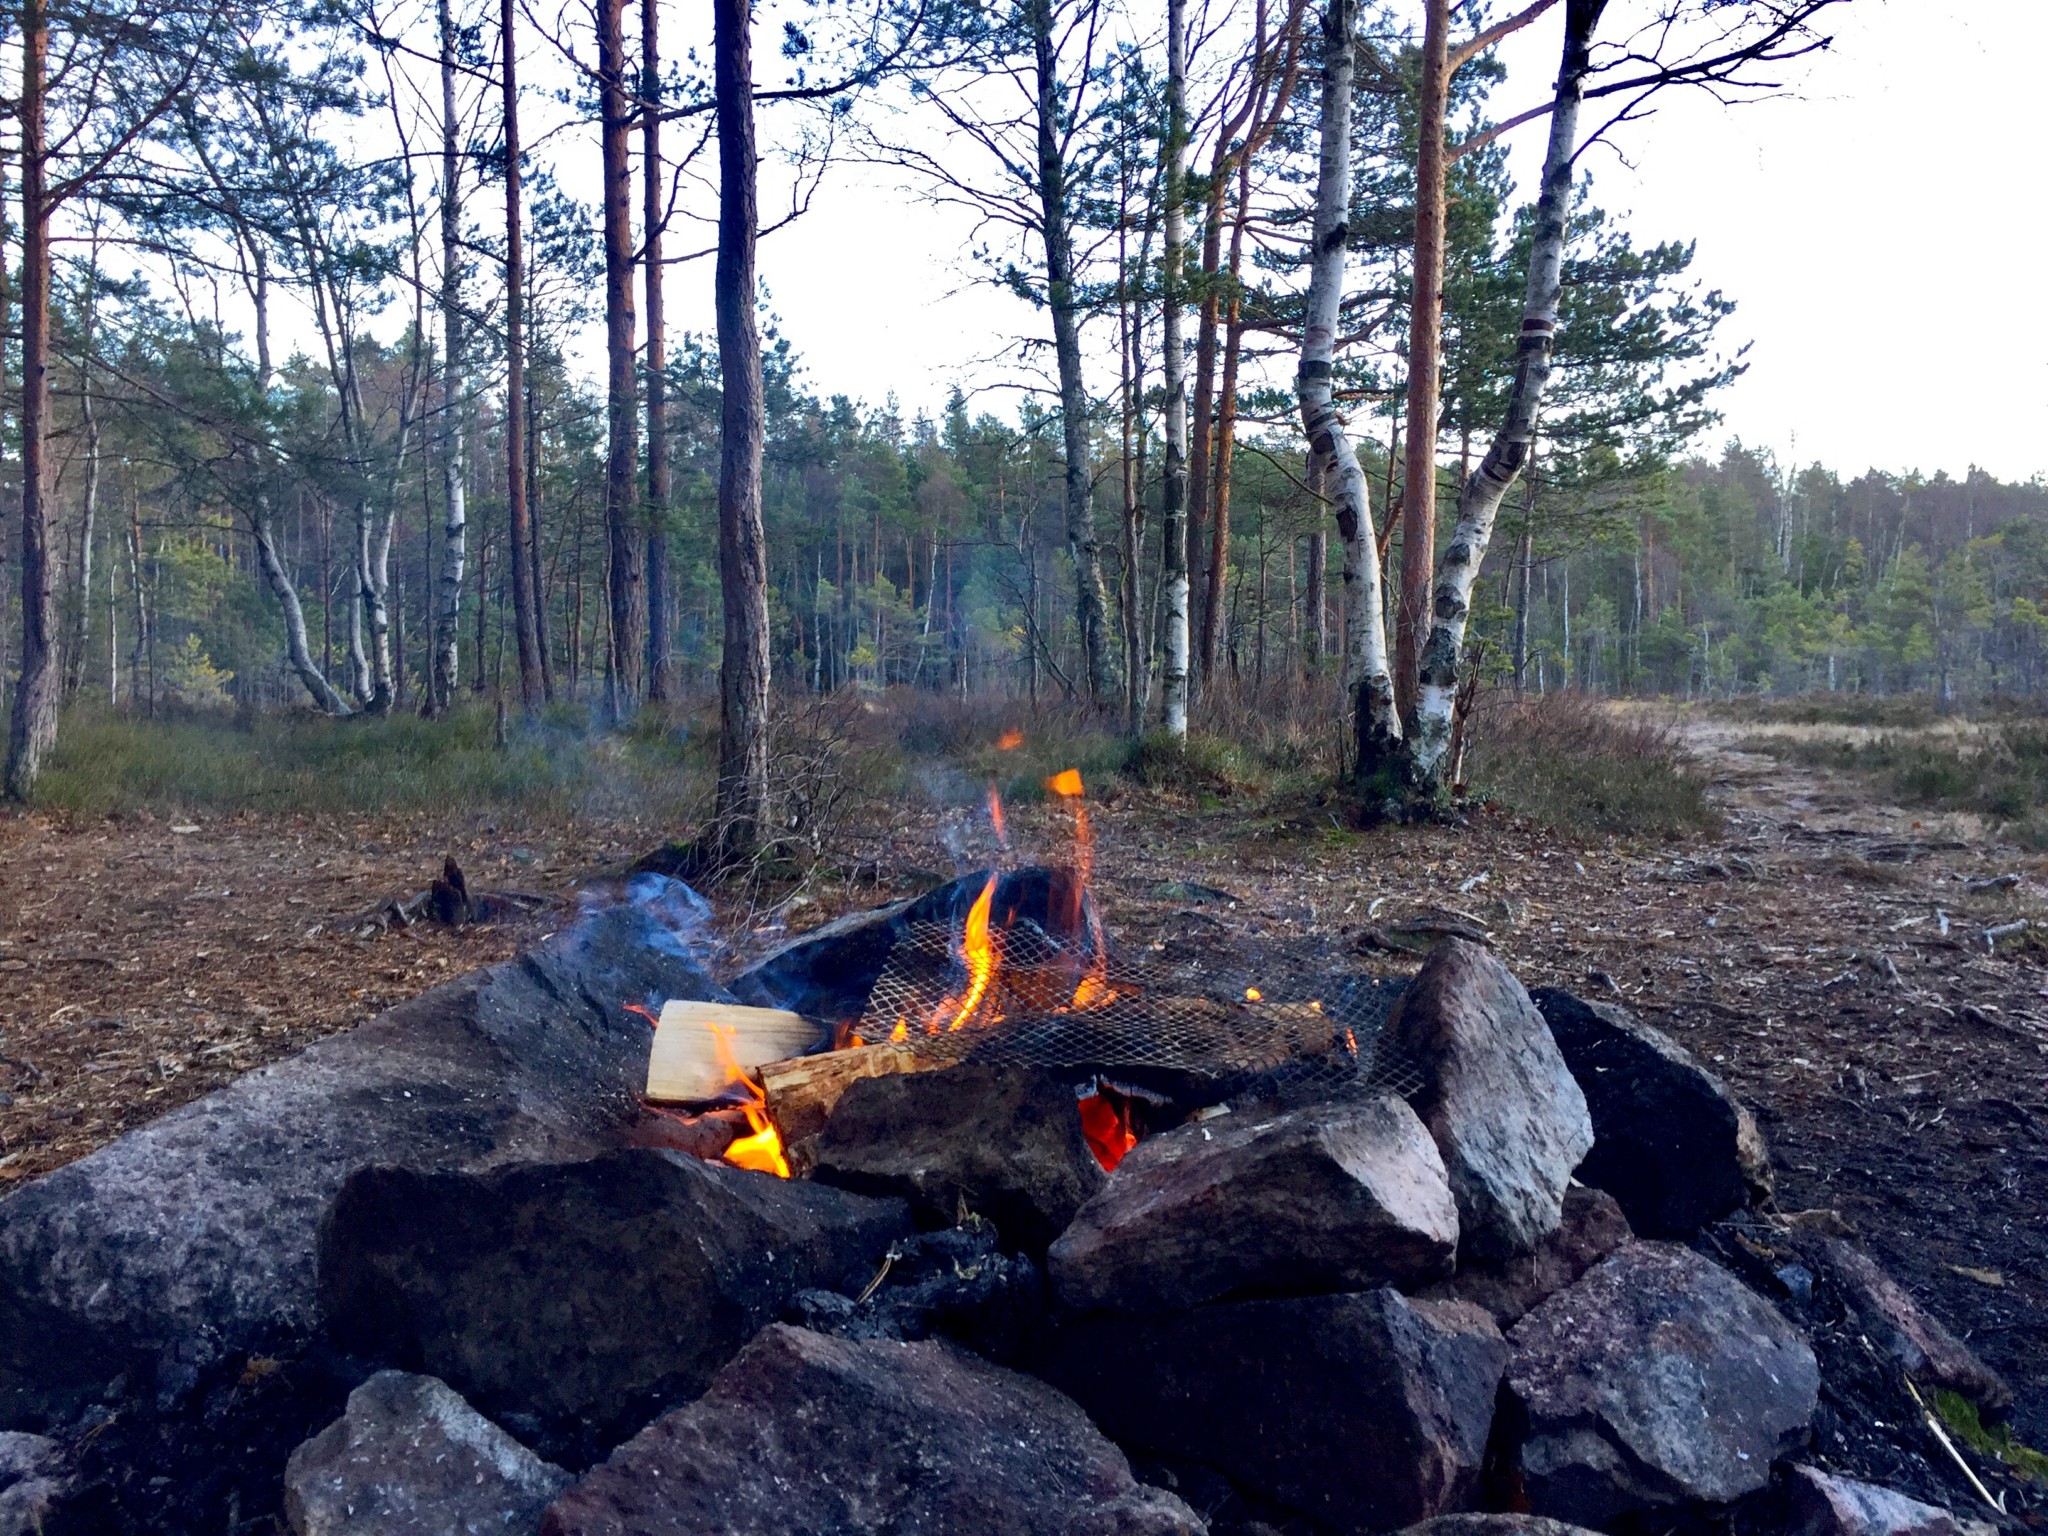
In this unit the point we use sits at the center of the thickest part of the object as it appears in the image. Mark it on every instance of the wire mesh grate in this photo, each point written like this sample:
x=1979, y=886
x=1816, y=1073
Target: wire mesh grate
x=1210, y=1021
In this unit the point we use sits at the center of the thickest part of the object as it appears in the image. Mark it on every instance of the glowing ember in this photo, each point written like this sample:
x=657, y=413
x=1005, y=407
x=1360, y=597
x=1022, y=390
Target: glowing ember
x=761, y=1148
x=1010, y=740
x=977, y=953
x=900, y=1033
x=1253, y=995
x=1106, y=1125
x=1093, y=992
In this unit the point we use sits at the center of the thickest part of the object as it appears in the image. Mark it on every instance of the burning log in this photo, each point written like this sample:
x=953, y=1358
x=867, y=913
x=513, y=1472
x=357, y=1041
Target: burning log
x=697, y=1047
x=802, y=1092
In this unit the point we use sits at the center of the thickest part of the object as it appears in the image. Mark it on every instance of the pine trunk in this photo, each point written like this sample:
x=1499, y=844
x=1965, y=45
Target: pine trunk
x=1425, y=344
x=1480, y=499
x=519, y=534
x=627, y=585
x=1368, y=684
x=32, y=730
x=1173, y=523
x=1091, y=602
x=660, y=619
x=742, y=799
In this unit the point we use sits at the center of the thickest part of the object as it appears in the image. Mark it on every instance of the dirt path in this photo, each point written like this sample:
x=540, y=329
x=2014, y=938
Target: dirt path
x=1824, y=953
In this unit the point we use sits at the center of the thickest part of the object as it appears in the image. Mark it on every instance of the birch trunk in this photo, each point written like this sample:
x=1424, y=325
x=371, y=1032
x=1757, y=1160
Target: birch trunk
x=32, y=729
x=1173, y=513
x=1425, y=348
x=74, y=661
x=296, y=645
x=441, y=668
x=1091, y=602
x=1479, y=501
x=1317, y=632
x=1367, y=681
x=742, y=796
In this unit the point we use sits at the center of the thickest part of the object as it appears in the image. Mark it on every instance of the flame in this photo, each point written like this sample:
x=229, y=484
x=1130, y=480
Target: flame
x=1106, y=1125
x=900, y=1033
x=1093, y=992
x=978, y=953
x=1066, y=783
x=1254, y=995
x=646, y=1013
x=761, y=1148
x=995, y=816
x=1010, y=740
x=1350, y=1042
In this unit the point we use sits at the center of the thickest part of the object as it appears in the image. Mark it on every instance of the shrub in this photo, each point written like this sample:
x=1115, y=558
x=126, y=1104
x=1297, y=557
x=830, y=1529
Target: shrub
x=1581, y=765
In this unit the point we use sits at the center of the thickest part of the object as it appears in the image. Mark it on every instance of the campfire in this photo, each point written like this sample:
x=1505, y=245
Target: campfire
x=1013, y=967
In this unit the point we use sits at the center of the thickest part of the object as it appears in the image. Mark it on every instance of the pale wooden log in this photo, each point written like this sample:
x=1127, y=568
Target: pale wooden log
x=686, y=1065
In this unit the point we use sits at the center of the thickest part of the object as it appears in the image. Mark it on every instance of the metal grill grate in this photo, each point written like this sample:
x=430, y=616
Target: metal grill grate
x=1209, y=1022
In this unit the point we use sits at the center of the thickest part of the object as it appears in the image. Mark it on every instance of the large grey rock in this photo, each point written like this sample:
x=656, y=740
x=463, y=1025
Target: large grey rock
x=1003, y=1142
x=411, y=1458
x=1916, y=1340
x=1333, y=1197
x=1656, y=1379
x=35, y=1481
x=168, y=1256
x=1362, y=1411
x=1818, y=1503
x=1590, y=1228
x=573, y=1301
x=1670, y=1142
x=804, y=1435
x=1507, y=1116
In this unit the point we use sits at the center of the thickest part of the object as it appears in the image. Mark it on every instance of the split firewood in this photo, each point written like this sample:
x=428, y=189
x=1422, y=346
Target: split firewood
x=802, y=1091
x=697, y=1046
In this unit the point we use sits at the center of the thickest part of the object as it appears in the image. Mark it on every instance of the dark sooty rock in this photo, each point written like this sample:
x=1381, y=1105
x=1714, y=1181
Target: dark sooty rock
x=1362, y=1412
x=573, y=1301
x=1005, y=1142
x=1332, y=1197
x=1669, y=1140
x=804, y=1435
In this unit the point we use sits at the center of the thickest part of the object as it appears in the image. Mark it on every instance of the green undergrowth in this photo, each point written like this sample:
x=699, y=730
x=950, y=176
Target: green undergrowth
x=1573, y=763
x=1998, y=771
x=1993, y=1440
x=553, y=766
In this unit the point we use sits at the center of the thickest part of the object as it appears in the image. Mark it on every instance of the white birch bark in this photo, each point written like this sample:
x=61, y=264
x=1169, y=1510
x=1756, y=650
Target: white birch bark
x=1173, y=520
x=441, y=670
x=296, y=644
x=1367, y=679
x=1480, y=499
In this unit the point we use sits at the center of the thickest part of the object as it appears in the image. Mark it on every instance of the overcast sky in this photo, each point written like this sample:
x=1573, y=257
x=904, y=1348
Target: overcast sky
x=1881, y=229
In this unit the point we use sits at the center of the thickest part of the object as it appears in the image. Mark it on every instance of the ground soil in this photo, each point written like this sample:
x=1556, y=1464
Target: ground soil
x=1825, y=953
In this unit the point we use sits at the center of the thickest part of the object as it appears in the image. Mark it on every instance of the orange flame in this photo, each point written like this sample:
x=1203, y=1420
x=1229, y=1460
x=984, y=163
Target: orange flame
x=1067, y=783
x=1106, y=1126
x=1010, y=740
x=900, y=1033
x=978, y=952
x=995, y=816
x=761, y=1148
x=646, y=1013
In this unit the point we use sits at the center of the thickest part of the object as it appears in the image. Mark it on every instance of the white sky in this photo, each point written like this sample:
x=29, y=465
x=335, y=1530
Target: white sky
x=1881, y=230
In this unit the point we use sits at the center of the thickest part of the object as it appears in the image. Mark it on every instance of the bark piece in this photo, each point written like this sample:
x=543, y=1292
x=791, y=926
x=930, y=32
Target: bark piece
x=1592, y=1227
x=1363, y=1412
x=1923, y=1348
x=804, y=1435
x=1657, y=1379
x=1670, y=1142
x=1818, y=1503
x=144, y=1272
x=1333, y=1197
x=1507, y=1116
x=411, y=1458
x=1004, y=1142
x=572, y=1301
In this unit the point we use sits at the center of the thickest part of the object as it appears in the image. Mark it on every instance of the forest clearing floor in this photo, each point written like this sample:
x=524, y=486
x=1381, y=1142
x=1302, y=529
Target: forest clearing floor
x=1824, y=952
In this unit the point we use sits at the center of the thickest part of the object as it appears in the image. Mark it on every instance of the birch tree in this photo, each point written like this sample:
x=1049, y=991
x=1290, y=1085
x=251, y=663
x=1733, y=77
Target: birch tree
x=1173, y=515
x=441, y=672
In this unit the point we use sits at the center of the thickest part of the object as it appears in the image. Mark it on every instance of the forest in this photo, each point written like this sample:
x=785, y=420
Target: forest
x=304, y=408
